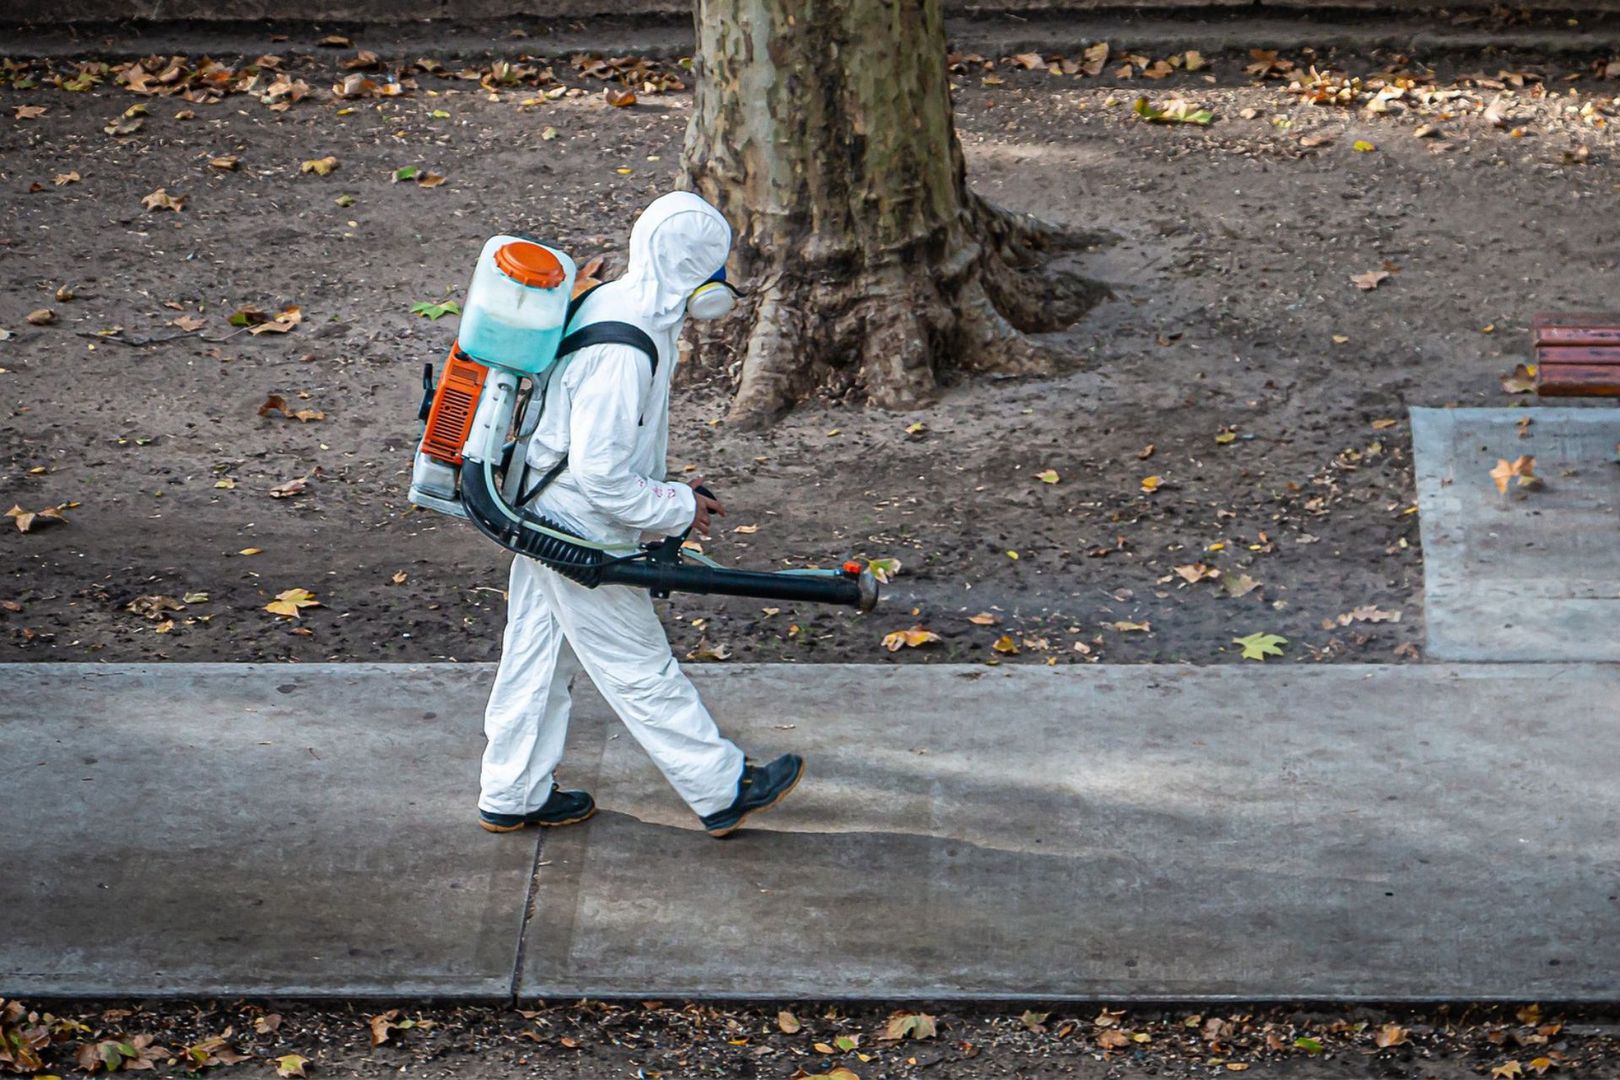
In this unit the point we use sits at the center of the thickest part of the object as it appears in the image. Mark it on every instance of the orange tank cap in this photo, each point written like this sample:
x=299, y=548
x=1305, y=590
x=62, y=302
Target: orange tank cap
x=530, y=264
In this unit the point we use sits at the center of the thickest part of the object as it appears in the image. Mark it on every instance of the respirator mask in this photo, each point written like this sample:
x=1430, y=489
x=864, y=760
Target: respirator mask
x=714, y=299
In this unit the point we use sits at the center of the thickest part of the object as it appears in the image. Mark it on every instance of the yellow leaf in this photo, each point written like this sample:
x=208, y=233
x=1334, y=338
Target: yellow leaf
x=984, y=618
x=1541, y=1065
x=1013, y=555
x=319, y=166
x=1050, y=476
x=288, y=603
x=1259, y=645
x=909, y=639
x=250, y=551
x=1508, y=1071
x=787, y=1023
x=1362, y=146
x=1522, y=469
x=291, y=1065
x=1151, y=484
x=1005, y=644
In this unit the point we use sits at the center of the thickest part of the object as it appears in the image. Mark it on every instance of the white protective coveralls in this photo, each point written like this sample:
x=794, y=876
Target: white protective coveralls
x=607, y=409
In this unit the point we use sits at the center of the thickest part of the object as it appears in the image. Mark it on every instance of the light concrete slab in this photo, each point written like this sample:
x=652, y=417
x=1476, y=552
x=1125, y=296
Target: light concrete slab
x=1529, y=575
x=240, y=829
x=1278, y=832
x=1126, y=832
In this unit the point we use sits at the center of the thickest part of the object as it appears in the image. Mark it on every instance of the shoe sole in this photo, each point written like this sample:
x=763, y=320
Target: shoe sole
x=520, y=826
x=719, y=834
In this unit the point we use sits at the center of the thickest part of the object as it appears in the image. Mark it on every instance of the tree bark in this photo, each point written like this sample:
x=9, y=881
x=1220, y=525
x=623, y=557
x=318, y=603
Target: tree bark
x=823, y=130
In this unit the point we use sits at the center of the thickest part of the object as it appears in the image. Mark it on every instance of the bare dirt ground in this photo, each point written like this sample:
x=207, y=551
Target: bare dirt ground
x=655, y=1040
x=1236, y=362
x=1236, y=367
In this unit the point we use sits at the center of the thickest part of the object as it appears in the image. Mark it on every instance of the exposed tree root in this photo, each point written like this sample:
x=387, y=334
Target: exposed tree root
x=896, y=332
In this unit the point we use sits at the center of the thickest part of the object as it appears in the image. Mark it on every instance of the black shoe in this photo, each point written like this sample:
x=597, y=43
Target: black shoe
x=562, y=808
x=760, y=788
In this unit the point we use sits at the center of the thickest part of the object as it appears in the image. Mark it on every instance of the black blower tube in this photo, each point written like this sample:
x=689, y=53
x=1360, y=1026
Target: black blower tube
x=591, y=567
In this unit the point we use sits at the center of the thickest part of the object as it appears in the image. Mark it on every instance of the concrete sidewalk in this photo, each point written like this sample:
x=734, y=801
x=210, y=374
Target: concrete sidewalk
x=1281, y=832
x=1532, y=574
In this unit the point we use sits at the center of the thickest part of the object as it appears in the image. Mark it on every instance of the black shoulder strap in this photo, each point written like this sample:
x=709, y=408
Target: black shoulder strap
x=610, y=333
x=598, y=333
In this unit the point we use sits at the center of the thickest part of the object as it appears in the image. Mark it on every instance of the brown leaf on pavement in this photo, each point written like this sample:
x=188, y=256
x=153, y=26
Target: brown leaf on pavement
x=27, y=521
x=289, y=317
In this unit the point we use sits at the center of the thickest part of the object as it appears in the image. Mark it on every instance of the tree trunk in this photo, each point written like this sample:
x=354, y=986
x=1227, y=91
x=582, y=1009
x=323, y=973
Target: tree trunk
x=823, y=130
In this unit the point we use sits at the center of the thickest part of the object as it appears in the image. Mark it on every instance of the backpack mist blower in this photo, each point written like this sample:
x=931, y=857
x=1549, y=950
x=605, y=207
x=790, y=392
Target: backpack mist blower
x=469, y=465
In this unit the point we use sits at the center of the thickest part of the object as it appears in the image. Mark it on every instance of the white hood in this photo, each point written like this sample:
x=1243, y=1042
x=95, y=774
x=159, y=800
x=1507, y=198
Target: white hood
x=677, y=244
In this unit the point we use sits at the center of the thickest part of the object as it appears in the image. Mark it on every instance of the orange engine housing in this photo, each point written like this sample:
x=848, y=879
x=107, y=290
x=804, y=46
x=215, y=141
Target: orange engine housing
x=450, y=419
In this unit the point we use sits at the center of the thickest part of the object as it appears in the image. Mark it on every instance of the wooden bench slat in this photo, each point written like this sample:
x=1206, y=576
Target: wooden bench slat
x=1579, y=354
x=1576, y=335
x=1578, y=380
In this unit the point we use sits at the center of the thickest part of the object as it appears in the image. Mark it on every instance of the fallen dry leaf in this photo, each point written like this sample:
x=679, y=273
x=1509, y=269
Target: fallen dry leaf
x=65, y=178
x=28, y=520
x=984, y=618
x=227, y=163
x=41, y=317
x=902, y=1024
x=319, y=166
x=29, y=112
x=909, y=639
x=188, y=323
x=1521, y=470
x=708, y=653
x=1370, y=280
x=162, y=200
x=885, y=570
x=1390, y=1035
x=290, y=602
x=287, y=489
x=1521, y=381
x=287, y=318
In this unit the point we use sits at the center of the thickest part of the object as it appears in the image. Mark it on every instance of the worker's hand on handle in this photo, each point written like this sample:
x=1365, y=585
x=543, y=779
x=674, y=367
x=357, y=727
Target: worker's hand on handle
x=706, y=505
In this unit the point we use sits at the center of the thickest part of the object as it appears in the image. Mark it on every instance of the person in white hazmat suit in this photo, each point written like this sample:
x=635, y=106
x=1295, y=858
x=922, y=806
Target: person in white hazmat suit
x=607, y=412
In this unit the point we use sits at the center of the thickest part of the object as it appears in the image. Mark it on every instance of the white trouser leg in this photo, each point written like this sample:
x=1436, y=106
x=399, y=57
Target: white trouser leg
x=526, y=719
x=621, y=644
